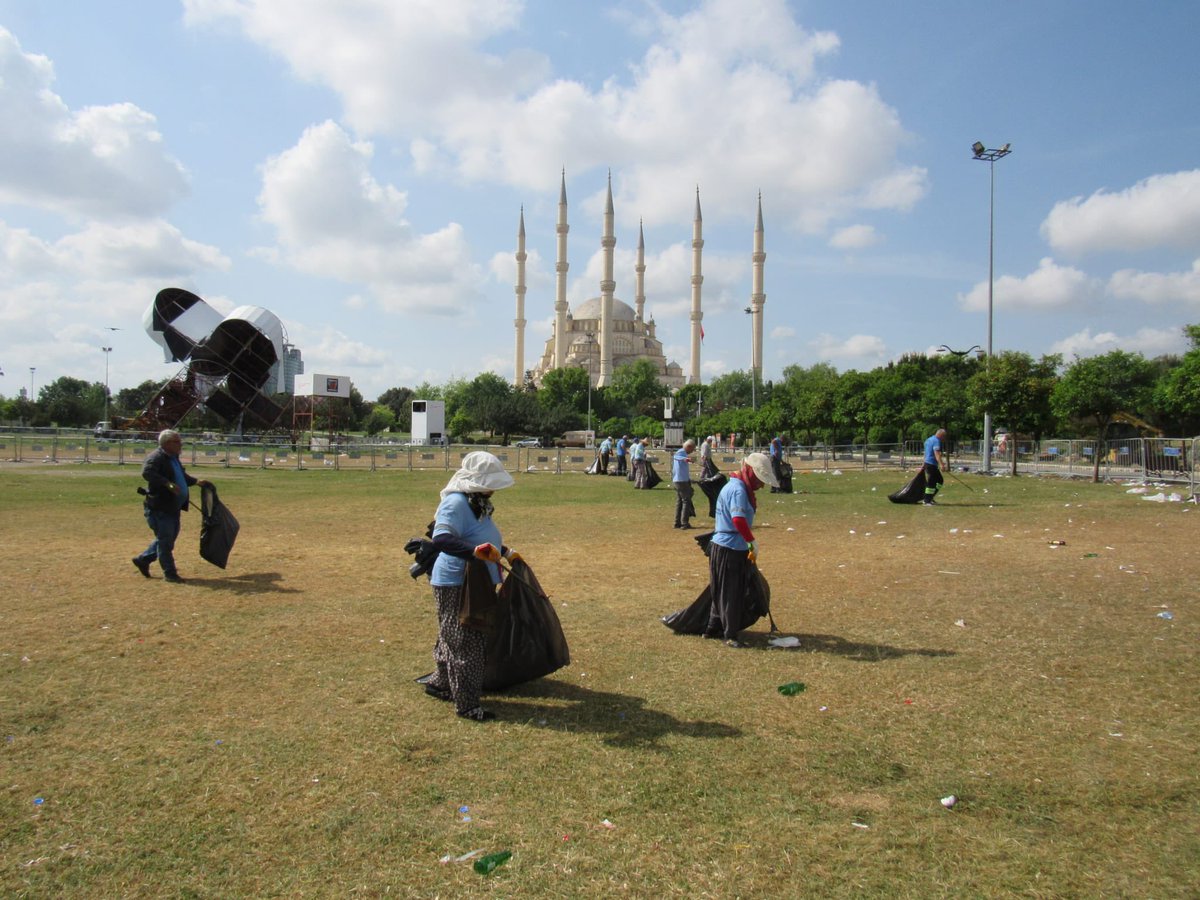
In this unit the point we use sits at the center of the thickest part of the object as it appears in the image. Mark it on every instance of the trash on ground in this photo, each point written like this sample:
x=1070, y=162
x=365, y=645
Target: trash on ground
x=1166, y=614
x=451, y=858
x=1057, y=543
x=789, y=641
x=949, y=801
x=791, y=689
x=488, y=864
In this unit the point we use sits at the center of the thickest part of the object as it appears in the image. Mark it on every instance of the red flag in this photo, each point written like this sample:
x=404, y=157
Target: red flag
x=701, y=334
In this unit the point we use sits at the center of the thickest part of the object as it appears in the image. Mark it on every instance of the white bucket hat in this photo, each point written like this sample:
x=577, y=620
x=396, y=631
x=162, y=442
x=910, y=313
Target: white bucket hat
x=761, y=464
x=481, y=473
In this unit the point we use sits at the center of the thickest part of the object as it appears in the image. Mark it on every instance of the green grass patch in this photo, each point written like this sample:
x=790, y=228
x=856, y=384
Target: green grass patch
x=256, y=732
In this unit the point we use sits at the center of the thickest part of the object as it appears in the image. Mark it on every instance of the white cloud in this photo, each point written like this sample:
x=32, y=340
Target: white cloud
x=335, y=220
x=1160, y=211
x=728, y=97
x=1158, y=287
x=854, y=237
x=103, y=161
x=780, y=332
x=1051, y=286
x=1150, y=342
x=865, y=348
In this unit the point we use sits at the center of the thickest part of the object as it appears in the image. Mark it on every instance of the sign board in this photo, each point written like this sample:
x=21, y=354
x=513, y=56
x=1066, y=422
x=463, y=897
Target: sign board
x=318, y=385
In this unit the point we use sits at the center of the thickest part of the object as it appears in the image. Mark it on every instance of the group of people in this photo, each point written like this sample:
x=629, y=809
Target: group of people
x=465, y=536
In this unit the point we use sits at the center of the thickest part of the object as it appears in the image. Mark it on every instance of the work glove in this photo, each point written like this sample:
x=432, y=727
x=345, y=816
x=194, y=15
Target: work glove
x=513, y=556
x=488, y=553
x=753, y=554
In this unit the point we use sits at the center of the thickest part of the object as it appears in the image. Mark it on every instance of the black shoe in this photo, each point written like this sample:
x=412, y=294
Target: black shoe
x=142, y=566
x=174, y=578
x=685, y=526
x=437, y=692
x=929, y=503
x=478, y=714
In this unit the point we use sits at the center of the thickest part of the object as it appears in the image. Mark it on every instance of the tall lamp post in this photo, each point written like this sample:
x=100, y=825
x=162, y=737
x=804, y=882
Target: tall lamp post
x=590, y=339
x=107, y=350
x=990, y=157
x=32, y=369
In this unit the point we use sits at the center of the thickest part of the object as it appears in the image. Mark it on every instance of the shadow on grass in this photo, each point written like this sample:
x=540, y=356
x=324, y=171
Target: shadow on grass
x=252, y=583
x=832, y=643
x=622, y=719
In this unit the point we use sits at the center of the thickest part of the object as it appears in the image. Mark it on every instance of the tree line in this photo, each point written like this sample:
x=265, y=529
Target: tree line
x=901, y=401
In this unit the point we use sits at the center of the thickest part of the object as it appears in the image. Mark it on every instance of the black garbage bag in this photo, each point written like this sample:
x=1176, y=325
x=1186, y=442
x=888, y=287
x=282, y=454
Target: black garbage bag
x=647, y=477
x=783, y=471
x=913, y=492
x=693, y=619
x=218, y=527
x=526, y=640
x=712, y=490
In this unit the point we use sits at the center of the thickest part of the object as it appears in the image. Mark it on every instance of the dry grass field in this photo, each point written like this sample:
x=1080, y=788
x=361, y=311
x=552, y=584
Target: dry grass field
x=256, y=732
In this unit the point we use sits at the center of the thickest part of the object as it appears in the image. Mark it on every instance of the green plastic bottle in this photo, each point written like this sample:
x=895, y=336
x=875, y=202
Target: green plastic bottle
x=486, y=865
x=792, y=688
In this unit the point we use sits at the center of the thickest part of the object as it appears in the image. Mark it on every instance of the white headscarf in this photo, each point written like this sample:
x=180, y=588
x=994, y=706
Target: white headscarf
x=481, y=473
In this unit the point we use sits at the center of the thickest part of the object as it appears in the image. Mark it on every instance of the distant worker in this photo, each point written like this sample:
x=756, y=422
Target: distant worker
x=708, y=469
x=622, y=448
x=166, y=495
x=681, y=480
x=777, y=461
x=935, y=464
x=606, y=447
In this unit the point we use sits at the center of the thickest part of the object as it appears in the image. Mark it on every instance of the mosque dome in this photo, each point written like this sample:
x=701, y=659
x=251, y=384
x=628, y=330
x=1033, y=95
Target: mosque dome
x=590, y=309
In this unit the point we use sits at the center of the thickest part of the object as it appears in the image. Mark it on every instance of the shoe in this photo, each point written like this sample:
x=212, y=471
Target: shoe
x=929, y=503
x=677, y=525
x=142, y=566
x=478, y=714
x=732, y=643
x=174, y=578
x=437, y=692
x=684, y=527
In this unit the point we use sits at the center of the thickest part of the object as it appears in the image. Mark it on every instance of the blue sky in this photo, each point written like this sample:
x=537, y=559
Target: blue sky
x=358, y=169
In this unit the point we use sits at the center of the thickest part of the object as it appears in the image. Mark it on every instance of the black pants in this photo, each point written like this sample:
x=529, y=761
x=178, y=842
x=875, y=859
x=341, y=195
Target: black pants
x=933, y=480
x=621, y=470
x=728, y=572
x=684, y=510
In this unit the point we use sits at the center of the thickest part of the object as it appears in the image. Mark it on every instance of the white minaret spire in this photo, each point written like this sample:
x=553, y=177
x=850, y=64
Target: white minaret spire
x=519, y=321
x=560, y=268
x=607, y=286
x=757, y=297
x=697, y=280
x=640, y=273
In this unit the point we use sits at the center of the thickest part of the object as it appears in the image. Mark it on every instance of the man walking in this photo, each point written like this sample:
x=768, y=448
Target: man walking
x=934, y=465
x=681, y=480
x=166, y=497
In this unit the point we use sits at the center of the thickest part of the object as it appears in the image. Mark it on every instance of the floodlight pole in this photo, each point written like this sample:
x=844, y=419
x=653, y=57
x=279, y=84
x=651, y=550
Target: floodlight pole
x=990, y=156
x=753, y=379
x=107, y=350
x=32, y=369
x=590, y=338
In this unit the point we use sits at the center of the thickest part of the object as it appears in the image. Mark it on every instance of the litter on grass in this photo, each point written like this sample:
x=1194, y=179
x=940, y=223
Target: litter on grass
x=790, y=641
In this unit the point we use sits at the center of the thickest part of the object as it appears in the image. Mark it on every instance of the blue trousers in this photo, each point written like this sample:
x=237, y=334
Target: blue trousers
x=165, y=526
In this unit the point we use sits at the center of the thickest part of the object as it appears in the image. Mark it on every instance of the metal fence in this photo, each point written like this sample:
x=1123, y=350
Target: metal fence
x=1171, y=460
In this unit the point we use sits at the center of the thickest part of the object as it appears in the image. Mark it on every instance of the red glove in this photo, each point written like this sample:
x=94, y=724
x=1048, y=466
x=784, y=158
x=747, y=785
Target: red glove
x=488, y=553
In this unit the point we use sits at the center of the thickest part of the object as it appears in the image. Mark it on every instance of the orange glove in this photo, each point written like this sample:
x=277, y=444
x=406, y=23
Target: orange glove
x=488, y=553
x=514, y=557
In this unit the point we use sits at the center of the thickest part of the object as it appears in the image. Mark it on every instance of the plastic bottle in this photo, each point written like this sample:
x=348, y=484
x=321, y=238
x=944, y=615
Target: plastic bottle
x=791, y=688
x=486, y=865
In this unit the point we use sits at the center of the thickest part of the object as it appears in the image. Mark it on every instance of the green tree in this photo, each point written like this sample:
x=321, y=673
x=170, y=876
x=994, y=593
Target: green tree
x=72, y=402
x=850, y=407
x=379, y=419
x=689, y=401
x=635, y=387
x=133, y=401
x=1097, y=388
x=1177, y=392
x=399, y=401
x=564, y=387
x=729, y=391
x=811, y=396
x=488, y=401
x=1016, y=390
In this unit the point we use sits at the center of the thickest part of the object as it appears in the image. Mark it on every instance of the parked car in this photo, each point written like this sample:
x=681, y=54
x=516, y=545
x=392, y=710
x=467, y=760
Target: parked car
x=529, y=442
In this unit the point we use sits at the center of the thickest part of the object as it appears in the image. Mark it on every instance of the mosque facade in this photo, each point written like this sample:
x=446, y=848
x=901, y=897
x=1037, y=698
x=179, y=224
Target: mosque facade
x=604, y=333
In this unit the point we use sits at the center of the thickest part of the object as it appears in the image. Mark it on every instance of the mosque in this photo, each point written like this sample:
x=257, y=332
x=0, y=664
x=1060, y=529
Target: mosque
x=604, y=333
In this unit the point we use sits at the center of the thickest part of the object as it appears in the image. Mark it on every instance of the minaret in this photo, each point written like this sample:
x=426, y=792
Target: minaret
x=519, y=321
x=560, y=268
x=640, y=271
x=757, y=297
x=607, y=286
x=697, y=280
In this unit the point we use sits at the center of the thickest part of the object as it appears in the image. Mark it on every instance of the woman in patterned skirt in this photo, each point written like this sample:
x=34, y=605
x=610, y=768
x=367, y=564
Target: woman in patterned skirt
x=463, y=530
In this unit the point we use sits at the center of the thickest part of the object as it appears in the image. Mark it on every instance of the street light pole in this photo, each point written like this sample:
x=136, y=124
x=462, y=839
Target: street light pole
x=591, y=436
x=753, y=377
x=990, y=157
x=32, y=369
x=107, y=350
